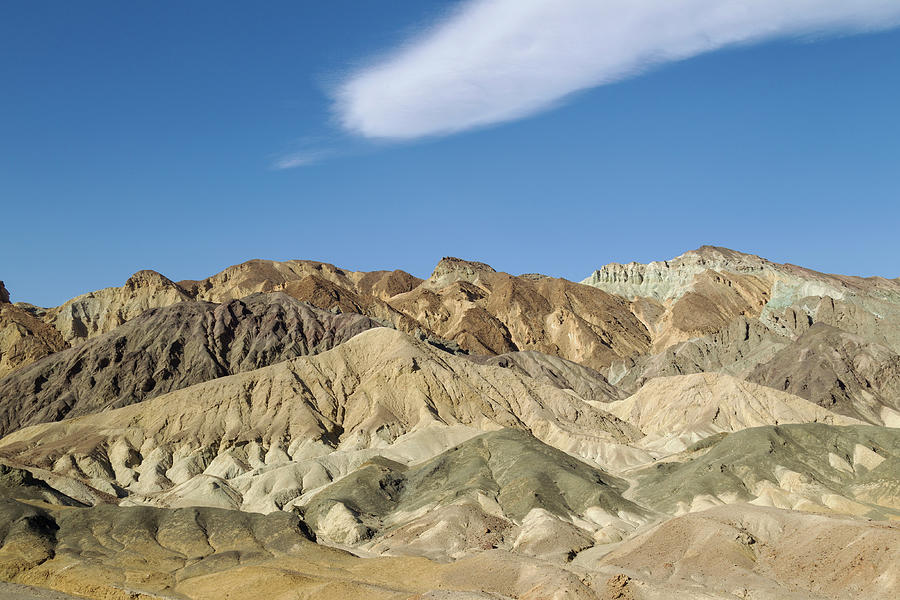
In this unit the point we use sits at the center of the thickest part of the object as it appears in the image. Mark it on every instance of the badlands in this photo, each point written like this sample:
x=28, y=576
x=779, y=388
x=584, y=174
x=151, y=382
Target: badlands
x=716, y=426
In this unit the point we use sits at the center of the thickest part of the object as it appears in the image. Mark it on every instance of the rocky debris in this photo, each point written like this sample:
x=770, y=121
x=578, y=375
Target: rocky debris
x=167, y=349
x=448, y=346
x=619, y=587
x=15, y=591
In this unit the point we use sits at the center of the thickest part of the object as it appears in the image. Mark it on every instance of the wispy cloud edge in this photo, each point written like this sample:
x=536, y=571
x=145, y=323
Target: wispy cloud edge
x=301, y=159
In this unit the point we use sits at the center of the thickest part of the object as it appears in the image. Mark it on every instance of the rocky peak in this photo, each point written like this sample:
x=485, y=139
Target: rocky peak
x=723, y=259
x=451, y=269
x=148, y=278
x=667, y=279
x=450, y=264
x=708, y=251
x=103, y=310
x=4, y=294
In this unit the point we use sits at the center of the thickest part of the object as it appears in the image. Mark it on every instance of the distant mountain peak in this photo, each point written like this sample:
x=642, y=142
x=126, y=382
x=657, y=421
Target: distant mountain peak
x=451, y=269
x=451, y=263
x=148, y=277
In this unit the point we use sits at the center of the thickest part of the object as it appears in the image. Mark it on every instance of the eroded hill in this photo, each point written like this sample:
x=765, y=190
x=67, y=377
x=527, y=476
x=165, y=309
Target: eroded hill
x=709, y=427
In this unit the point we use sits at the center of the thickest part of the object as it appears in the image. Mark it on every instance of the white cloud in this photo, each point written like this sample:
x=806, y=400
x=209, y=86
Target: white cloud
x=301, y=159
x=492, y=61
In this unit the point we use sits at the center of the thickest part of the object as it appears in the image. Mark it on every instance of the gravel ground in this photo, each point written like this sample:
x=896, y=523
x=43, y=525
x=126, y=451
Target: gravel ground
x=14, y=591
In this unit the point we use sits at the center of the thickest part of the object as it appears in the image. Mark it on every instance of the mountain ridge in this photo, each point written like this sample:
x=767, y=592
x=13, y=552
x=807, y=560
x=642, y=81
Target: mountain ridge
x=284, y=428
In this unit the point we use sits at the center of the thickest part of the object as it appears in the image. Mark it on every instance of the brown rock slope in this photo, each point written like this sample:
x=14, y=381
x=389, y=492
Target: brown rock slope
x=483, y=311
x=736, y=350
x=840, y=371
x=831, y=339
x=320, y=284
x=693, y=295
x=713, y=300
x=269, y=276
x=467, y=303
x=166, y=349
x=697, y=295
x=488, y=312
x=23, y=337
x=559, y=372
x=323, y=285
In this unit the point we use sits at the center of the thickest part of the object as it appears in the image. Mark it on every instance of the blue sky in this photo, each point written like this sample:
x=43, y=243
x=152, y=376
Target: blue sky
x=147, y=136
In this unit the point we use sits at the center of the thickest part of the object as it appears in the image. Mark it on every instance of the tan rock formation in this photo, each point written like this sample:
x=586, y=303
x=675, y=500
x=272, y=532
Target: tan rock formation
x=24, y=338
x=683, y=409
x=764, y=552
x=98, y=312
x=366, y=392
